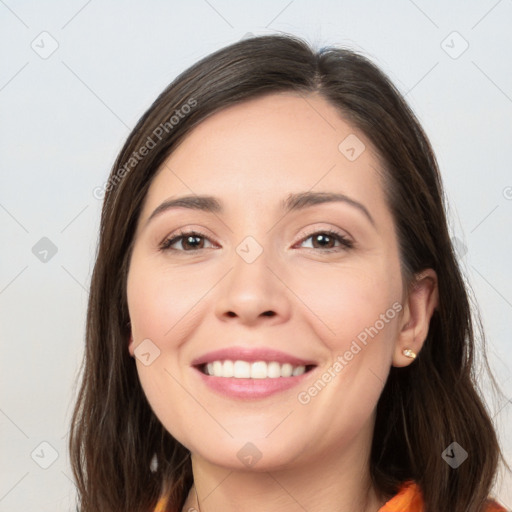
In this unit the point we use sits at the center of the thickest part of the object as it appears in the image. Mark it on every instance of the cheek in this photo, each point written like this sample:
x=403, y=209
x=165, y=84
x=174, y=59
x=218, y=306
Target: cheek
x=161, y=303
x=356, y=317
x=161, y=309
x=351, y=304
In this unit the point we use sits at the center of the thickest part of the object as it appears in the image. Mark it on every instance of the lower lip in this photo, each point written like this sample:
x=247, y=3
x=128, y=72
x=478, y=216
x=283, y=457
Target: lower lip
x=251, y=388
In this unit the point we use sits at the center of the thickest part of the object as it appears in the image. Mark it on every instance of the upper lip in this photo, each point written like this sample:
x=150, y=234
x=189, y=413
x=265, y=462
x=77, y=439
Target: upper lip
x=251, y=354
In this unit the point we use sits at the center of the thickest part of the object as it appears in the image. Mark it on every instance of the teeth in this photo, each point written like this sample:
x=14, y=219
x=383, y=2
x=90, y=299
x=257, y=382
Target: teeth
x=298, y=370
x=228, y=369
x=241, y=370
x=256, y=370
x=273, y=370
x=259, y=370
x=286, y=370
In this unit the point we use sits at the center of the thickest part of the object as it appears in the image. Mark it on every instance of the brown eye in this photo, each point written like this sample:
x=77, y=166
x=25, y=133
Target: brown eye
x=190, y=242
x=326, y=239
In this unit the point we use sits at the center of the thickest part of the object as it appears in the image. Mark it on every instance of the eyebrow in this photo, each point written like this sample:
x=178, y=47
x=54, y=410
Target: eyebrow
x=294, y=202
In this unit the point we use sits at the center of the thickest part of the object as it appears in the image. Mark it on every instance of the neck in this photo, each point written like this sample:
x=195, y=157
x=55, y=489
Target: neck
x=338, y=481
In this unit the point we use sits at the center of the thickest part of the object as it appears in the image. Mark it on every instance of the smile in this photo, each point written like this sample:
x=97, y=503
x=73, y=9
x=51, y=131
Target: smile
x=251, y=373
x=253, y=370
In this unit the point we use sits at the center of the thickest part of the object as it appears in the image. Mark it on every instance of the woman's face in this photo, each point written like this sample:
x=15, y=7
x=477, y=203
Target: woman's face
x=278, y=281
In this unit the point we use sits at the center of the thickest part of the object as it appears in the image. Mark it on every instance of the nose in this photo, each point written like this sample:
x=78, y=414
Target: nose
x=253, y=293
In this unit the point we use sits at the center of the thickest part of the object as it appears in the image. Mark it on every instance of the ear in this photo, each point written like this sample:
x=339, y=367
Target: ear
x=420, y=305
x=131, y=347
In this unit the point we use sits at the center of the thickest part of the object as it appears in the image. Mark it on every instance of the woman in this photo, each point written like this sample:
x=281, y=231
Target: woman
x=277, y=320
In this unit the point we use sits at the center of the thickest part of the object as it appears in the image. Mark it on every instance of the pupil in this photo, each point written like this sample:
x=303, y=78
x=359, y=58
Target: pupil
x=190, y=240
x=321, y=237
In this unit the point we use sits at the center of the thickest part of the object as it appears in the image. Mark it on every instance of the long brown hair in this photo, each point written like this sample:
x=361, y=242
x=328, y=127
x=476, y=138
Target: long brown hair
x=423, y=408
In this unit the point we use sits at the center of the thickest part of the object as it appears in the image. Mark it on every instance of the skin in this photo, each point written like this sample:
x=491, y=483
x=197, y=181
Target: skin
x=190, y=301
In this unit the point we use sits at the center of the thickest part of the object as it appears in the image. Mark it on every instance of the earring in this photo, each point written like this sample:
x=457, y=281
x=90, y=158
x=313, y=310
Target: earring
x=153, y=465
x=407, y=352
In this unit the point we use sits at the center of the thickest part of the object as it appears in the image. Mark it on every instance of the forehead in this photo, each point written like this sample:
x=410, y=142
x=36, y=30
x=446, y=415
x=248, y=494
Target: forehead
x=268, y=147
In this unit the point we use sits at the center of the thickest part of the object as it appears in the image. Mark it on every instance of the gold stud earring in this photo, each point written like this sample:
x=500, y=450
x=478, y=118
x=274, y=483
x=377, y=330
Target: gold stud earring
x=407, y=352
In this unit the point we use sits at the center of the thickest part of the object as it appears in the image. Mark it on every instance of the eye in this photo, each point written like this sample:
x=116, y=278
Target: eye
x=190, y=241
x=326, y=239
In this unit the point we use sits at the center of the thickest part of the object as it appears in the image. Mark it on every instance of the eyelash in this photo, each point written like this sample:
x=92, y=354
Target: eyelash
x=344, y=241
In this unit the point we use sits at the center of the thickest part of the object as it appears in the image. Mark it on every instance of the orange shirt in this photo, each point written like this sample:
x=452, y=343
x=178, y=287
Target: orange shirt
x=408, y=499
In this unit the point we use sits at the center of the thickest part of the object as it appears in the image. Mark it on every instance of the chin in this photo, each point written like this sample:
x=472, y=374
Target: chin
x=255, y=456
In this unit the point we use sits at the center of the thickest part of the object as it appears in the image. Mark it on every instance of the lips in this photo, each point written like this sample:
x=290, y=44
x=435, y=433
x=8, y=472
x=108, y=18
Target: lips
x=251, y=373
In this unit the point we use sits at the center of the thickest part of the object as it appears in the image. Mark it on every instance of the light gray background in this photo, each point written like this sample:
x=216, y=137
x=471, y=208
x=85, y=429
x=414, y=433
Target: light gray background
x=65, y=116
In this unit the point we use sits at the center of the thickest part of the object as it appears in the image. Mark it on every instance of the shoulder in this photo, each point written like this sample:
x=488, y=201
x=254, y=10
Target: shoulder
x=410, y=499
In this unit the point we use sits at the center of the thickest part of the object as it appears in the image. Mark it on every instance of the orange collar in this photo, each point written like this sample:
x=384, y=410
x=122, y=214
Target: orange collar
x=408, y=499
